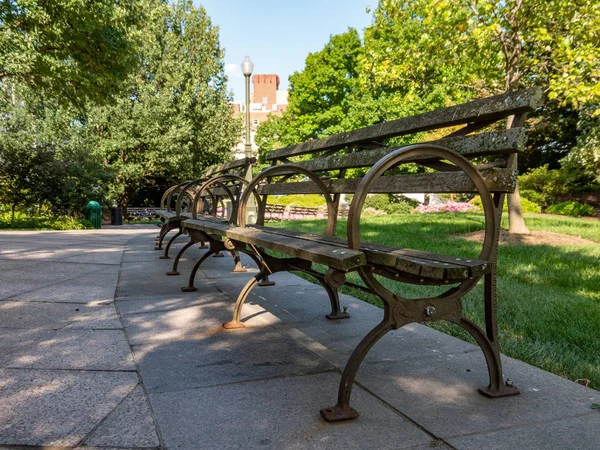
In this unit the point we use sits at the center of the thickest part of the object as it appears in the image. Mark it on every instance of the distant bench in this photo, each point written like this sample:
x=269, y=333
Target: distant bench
x=278, y=212
x=194, y=194
x=142, y=212
x=460, y=162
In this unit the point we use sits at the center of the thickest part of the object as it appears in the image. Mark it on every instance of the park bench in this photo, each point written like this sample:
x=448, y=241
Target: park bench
x=183, y=195
x=477, y=154
x=274, y=212
x=277, y=212
x=303, y=211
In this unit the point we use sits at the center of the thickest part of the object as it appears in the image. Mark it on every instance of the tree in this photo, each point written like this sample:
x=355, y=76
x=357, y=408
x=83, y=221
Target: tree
x=174, y=119
x=72, y=50
x=424, y=54
x=320, y=97
x=46, y=159
x=550, y=43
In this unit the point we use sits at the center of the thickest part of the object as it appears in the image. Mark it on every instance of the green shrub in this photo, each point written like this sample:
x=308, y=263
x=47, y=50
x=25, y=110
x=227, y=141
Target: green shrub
x=391, y=204
x=546, y=184
x=570, y=208
x=305, y=201
x=527, y=206
x=532, y=196
x=22, y=222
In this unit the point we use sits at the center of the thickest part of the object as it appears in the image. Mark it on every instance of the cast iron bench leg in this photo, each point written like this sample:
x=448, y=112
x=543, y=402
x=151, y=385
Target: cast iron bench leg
x=178, y=257
x=190, y=287
x=166, y=255
x=343, y=410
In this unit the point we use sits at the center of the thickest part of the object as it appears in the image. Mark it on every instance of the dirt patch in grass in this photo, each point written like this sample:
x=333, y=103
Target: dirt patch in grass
x=534, y=238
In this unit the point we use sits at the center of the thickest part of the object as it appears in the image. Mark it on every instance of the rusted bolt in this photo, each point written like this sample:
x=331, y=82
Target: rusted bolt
x=430, y=310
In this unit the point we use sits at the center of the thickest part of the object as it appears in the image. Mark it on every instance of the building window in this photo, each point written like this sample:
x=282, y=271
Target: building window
x=274, y=107
x=255, y=122
x=265, y=100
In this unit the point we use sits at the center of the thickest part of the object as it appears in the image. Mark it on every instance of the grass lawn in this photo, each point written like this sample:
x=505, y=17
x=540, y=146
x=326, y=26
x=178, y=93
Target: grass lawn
x=548, y=296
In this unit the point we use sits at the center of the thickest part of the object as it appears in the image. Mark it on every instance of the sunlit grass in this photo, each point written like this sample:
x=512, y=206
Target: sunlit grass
x=548, y=296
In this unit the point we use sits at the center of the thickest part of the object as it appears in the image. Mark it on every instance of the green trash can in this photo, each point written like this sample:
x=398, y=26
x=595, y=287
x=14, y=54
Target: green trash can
x=93, y=213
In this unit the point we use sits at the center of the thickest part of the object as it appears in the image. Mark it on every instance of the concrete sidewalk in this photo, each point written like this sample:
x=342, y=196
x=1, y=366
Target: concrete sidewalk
x=100, y=349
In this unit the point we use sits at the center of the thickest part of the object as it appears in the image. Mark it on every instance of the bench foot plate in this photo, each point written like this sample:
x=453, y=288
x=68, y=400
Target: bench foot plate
x=339, y=315
x=189, y=289
x=233, y=325
x=338, y=413
x=164, y=257
x=504, y=391
x=157, y=248
x=264, y=283
x=239, y=270
x=173, y=273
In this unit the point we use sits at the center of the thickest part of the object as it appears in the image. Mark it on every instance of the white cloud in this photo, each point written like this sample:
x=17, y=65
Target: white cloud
x=233, y=71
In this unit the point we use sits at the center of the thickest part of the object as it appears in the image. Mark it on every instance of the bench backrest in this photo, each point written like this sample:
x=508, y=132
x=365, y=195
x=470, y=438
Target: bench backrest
x=492, y=151
x=174, y=197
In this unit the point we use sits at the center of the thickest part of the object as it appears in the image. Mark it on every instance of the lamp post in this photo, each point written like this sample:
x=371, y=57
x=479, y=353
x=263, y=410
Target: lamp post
x=247, y=68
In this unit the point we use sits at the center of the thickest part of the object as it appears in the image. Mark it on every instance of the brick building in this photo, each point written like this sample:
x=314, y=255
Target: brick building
x=265, y=99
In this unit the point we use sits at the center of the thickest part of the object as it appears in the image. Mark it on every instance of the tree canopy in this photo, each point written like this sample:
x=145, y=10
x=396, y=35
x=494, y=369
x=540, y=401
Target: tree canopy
x=72, y=50
x=169, y=118
x=419, y=55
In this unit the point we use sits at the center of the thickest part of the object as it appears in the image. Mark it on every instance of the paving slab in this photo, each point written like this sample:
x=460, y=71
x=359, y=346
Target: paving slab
x=91, y=288
x=35, y=253
x=224, y=357
x=552, y=435
x=37, y=315
x=65, y=349
x=253, y=388
x=179, y=323
x=440, y=393
x=11, y=264
x=276, y=414
x=140, y=284
x=57, y=408
x=101, y=255
x=129, y=425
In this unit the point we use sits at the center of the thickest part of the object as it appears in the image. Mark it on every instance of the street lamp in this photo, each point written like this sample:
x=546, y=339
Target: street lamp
x=247, y=68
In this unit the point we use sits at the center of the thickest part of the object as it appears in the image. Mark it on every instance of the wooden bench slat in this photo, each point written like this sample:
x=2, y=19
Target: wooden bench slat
x=497, y=180
x=230, y=165
x=498, y=142
x=481, y=110
x=318, y=252
x=414, y=262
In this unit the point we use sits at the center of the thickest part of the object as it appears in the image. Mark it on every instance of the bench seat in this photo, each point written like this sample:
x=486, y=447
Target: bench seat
x=320, y=252
x=172, y=215
x=333, y=252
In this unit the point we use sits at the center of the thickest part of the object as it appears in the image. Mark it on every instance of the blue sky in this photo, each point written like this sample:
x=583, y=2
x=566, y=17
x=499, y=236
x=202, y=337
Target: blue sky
x=279, y=34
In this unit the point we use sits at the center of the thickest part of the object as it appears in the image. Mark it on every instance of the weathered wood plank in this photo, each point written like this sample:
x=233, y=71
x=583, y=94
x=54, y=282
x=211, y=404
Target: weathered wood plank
x=497, y=180
x=414, y=262
x=230, y=165
x=493, y=143
x=481, y=110
x=317, y=252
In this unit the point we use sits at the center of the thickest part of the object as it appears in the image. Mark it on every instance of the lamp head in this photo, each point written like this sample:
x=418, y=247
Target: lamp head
x=247, y=66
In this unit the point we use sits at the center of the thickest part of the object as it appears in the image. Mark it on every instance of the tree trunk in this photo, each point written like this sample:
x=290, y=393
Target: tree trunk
x=123, y=204
x=12, y=217
x=516, y=222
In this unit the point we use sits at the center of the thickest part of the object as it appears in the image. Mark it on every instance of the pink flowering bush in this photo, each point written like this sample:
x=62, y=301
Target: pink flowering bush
x=446, y=207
